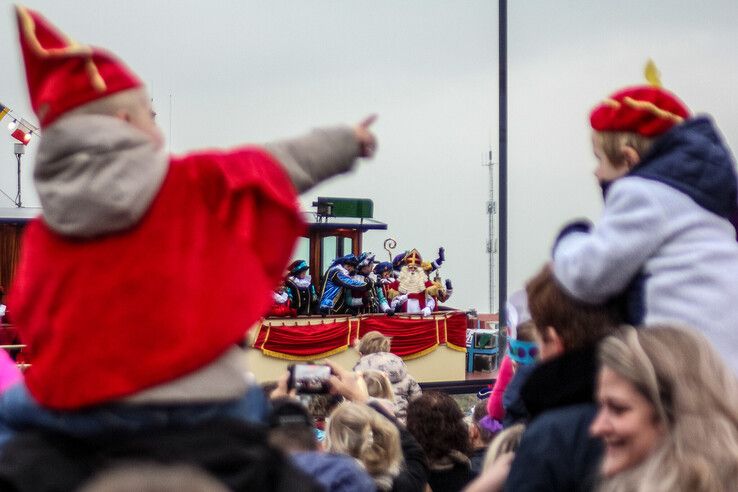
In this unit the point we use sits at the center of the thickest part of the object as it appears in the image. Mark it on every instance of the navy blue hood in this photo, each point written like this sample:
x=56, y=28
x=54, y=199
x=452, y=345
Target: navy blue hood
x=693, y=159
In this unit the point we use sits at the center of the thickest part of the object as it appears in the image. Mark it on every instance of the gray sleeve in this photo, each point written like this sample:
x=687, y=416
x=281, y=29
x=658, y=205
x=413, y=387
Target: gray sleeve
x=595, y=266
x=317, y=156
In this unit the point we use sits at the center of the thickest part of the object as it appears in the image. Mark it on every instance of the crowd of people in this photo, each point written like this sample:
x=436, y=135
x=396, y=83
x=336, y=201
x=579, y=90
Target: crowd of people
x=583, y=400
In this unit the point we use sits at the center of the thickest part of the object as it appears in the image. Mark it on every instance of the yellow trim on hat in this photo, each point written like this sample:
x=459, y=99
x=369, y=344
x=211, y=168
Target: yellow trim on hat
x=653, y=109
x=29, y=29
x=28, y=26
x=611, y=102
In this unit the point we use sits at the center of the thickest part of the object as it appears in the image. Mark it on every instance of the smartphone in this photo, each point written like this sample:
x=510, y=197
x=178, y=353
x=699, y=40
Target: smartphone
x=309, y=378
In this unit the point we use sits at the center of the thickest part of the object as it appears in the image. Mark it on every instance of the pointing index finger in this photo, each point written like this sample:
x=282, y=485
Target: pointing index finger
x=368, y=121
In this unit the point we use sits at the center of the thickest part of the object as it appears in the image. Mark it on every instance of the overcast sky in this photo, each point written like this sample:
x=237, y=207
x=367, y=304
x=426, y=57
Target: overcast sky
x=251, y=71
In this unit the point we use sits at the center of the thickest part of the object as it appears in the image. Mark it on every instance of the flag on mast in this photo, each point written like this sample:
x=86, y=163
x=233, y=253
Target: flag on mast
x=23, y=132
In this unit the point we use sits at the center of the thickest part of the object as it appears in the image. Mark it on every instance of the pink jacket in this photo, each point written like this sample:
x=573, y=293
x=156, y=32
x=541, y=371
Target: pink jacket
x=494, y=403
x=9, y=372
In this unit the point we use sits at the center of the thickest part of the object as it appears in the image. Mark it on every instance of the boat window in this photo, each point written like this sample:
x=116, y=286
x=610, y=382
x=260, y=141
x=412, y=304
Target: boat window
x=328, y=249
x=302, y=250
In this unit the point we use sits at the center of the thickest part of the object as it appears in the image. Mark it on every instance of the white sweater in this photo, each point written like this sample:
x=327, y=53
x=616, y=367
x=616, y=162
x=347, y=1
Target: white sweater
x=688, y=255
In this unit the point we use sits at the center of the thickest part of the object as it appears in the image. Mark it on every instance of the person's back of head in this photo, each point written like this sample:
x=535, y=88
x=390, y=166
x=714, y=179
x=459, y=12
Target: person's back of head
x=378, y=385
x=361, y=432
x=627, y=123
x=374, y=342
x=505, y=442
x=564, y=323
x=146, y=477
x=694, y=400
x=484, y=425
x=291, y=427
x=437, y=422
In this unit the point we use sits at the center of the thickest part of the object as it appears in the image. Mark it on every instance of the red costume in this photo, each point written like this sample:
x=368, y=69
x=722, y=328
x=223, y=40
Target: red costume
x=135, y=277
x=109, y=317
x=111, y=314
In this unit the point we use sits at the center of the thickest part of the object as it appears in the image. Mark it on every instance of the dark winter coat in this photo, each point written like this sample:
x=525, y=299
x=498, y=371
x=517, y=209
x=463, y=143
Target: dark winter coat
x=235, y=453
x=556, y=452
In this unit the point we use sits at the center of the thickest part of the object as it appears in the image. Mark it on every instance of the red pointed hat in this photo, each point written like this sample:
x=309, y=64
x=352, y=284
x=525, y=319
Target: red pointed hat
x=648, y=110
x=63, y=74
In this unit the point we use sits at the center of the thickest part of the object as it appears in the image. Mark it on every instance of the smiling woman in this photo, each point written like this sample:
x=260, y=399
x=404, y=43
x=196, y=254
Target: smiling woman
x=668, y=413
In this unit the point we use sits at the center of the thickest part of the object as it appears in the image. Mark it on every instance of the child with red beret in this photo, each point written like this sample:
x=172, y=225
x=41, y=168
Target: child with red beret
x=130, y=288
x=664, y=241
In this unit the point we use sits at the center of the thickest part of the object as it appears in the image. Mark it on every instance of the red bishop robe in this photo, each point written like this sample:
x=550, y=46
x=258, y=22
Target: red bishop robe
x=419, y=296
x=108, y=317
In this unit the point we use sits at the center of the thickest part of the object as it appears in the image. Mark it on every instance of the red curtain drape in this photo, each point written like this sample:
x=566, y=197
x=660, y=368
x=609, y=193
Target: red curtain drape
x=411, y=336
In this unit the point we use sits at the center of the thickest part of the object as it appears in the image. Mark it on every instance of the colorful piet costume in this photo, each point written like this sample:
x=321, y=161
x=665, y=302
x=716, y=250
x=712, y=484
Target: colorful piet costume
x=130, y=287
x=372, y=299
x=303, y=298
x=383, y=273
x=282, y=305
x=338, y=285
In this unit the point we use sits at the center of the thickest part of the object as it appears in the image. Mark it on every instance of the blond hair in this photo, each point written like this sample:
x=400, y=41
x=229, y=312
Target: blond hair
x=694, y=395
x=507, y=441
x=378, y=385
x=359, y=431
x=612, y=144
x=374, y=342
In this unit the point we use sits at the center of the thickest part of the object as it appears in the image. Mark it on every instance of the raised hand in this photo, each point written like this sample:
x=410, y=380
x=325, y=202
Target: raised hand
x=367, y=140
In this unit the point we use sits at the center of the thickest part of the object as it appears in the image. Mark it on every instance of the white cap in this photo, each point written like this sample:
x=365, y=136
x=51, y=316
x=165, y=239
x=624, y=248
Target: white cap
x=516, y=309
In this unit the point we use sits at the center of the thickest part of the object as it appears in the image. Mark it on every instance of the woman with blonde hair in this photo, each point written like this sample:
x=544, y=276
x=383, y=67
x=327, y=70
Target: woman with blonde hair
x=668, y=413
x=359, y=431
x=380, y=388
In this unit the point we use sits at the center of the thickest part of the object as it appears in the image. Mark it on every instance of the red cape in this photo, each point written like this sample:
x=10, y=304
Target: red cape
x=108, y=317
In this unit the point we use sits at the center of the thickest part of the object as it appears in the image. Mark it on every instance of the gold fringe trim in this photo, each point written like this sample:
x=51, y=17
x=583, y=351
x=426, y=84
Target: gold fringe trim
x=455, y=347
x=266, y=337
x=258, y=330
x=421, y=353
x=653, y=109
x=323, y=355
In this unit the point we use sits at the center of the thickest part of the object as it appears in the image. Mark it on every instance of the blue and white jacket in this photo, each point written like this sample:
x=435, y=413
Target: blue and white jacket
x=665, y=236
x=336, y=287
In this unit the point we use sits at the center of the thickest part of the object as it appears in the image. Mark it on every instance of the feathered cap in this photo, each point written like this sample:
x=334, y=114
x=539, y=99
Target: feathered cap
x=365, y=259
x=62, y=74
x=349, y=259
x=382, y=267
x=397, y=261
x=297, y=267
x=648, y=110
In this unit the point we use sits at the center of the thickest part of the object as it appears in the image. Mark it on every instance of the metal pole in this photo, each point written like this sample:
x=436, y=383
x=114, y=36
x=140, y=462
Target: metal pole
x=491, y=245
x=19, y=150
x=18, y=196
x=502, y=221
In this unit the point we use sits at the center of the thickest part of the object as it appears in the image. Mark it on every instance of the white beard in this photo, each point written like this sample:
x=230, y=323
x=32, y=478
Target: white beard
x=412, y=281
